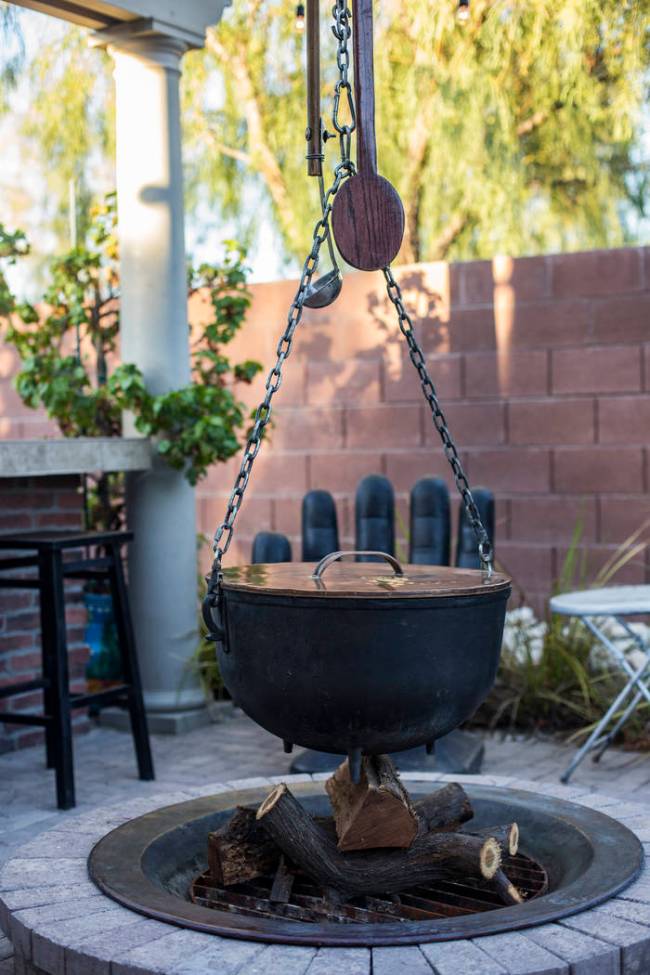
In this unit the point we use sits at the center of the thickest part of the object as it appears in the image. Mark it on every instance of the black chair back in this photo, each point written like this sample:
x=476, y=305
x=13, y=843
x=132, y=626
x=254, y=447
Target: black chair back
x=430, y=531
x=271, y=547
x=320, y=531
x=375, y=516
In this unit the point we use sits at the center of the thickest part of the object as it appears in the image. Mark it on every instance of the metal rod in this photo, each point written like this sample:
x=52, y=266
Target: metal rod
x=314, y=136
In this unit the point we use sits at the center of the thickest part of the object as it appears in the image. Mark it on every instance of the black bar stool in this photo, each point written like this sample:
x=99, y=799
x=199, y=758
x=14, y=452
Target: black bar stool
x=46, y=550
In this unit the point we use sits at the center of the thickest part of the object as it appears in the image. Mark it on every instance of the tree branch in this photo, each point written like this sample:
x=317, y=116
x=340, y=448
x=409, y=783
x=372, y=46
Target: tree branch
x=440, y=247
x=261, y=157
x=230, y=151
x=531, y=123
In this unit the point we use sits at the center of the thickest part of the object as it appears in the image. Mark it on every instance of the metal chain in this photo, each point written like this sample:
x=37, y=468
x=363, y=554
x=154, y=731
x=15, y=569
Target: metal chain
x=416, y=355
x=224, y=533
x=342, y=32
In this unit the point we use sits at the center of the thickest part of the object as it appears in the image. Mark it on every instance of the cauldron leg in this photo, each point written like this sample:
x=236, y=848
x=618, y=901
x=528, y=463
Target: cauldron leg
x=288, y=747
x=354, y=761
x=430, y=746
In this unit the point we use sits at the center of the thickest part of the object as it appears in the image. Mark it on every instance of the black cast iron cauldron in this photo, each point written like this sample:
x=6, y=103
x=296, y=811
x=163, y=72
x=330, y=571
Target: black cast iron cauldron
x=367, y=659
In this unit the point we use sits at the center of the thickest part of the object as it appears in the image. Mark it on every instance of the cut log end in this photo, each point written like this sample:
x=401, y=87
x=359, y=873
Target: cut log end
x=506, y=836
x=490, y=858
x=273, y=797
x=513, y=840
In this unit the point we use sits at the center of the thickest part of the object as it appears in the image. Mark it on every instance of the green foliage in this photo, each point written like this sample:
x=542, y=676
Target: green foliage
x=12, y=51
x=517, y=132
x=68, y=355
x=552, y=676
x=70, y=123
x=12, y=246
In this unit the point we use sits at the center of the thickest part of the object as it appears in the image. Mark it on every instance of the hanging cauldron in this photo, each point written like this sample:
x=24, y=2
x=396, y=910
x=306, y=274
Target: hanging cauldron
x=354, y=658
x=358, y=657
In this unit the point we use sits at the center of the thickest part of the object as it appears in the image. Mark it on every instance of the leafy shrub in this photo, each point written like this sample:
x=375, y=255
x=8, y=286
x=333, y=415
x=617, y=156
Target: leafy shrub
x=69, y=350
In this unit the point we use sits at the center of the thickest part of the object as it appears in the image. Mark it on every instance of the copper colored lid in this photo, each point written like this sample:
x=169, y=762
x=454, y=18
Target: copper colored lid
x=361, y=579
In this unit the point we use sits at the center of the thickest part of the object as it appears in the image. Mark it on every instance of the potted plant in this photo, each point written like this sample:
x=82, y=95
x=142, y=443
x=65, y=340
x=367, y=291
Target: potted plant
x=69, y=351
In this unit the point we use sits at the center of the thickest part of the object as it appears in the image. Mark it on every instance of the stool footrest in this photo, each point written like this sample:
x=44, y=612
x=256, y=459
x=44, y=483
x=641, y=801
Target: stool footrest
x=87, y=568
x=19, y=562
x=100, y=697
x=17, y=583
x=21, y=687
x=21, y=717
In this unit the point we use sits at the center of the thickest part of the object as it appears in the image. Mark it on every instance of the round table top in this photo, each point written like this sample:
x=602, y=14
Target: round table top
x=361, y=579
x=610, y=601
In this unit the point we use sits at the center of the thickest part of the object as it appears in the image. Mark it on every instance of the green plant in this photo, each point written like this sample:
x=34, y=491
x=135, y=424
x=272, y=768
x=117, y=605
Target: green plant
x=69, y=349
x=552, y=677
x=517, y=132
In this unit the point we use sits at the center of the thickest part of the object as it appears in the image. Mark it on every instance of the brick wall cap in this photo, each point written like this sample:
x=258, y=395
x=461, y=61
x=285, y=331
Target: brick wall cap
x=45, y=458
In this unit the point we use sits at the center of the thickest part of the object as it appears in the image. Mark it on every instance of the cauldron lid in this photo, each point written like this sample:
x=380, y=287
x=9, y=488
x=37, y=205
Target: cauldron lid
x=361, y=579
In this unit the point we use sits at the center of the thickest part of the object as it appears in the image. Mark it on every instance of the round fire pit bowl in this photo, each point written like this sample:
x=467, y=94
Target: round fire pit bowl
x=149, y=865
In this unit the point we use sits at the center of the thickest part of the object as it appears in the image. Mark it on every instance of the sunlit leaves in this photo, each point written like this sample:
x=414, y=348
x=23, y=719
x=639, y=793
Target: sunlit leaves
x=68, y=356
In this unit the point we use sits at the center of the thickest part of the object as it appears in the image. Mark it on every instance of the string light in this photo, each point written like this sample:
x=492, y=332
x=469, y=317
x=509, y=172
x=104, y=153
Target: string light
x=462, y=11
x=300, y=17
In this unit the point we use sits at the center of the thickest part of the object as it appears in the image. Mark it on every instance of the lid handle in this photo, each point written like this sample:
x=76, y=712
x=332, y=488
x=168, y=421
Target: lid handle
x=335, y=556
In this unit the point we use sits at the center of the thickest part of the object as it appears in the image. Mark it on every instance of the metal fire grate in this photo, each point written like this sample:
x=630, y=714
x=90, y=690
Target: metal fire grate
x=308, y=903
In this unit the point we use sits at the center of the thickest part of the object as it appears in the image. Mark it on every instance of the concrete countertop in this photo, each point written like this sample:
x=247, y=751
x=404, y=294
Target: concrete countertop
x=44, y=458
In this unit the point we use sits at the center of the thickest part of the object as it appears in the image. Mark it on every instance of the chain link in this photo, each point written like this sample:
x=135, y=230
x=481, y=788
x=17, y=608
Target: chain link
x=342, y=32
x=451, y=453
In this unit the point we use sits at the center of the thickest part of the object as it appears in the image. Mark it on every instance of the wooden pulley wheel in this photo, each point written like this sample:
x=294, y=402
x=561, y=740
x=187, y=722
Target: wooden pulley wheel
x=367, y=214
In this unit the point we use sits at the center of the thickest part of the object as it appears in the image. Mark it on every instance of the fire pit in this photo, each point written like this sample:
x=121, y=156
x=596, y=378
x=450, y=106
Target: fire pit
x=573, y=859
x=59, y=921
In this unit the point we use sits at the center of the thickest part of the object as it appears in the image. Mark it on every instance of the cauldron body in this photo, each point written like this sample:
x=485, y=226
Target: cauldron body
x=376, y=674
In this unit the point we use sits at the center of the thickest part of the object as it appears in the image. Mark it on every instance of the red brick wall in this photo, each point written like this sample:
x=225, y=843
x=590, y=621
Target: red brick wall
x=28, y=503
x=543, y=365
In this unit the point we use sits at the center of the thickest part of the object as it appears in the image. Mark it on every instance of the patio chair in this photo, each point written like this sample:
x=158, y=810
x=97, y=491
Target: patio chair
x=270, y=547
x=45, y=553
x=429, y=539
x=320, y=532
x=598, y=609
x=374, y=517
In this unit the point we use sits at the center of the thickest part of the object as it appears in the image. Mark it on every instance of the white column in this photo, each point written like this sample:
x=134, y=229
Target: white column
x=154, y=336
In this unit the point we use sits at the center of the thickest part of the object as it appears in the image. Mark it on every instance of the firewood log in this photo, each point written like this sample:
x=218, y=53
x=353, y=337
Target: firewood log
x=446, y=808
x=431, y=856
x=375, y=812
x=282, y=884
x=241, y=850
x=505, y=889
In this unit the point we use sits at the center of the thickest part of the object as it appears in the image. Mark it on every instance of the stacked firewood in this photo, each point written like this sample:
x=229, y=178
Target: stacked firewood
x=378, y=840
